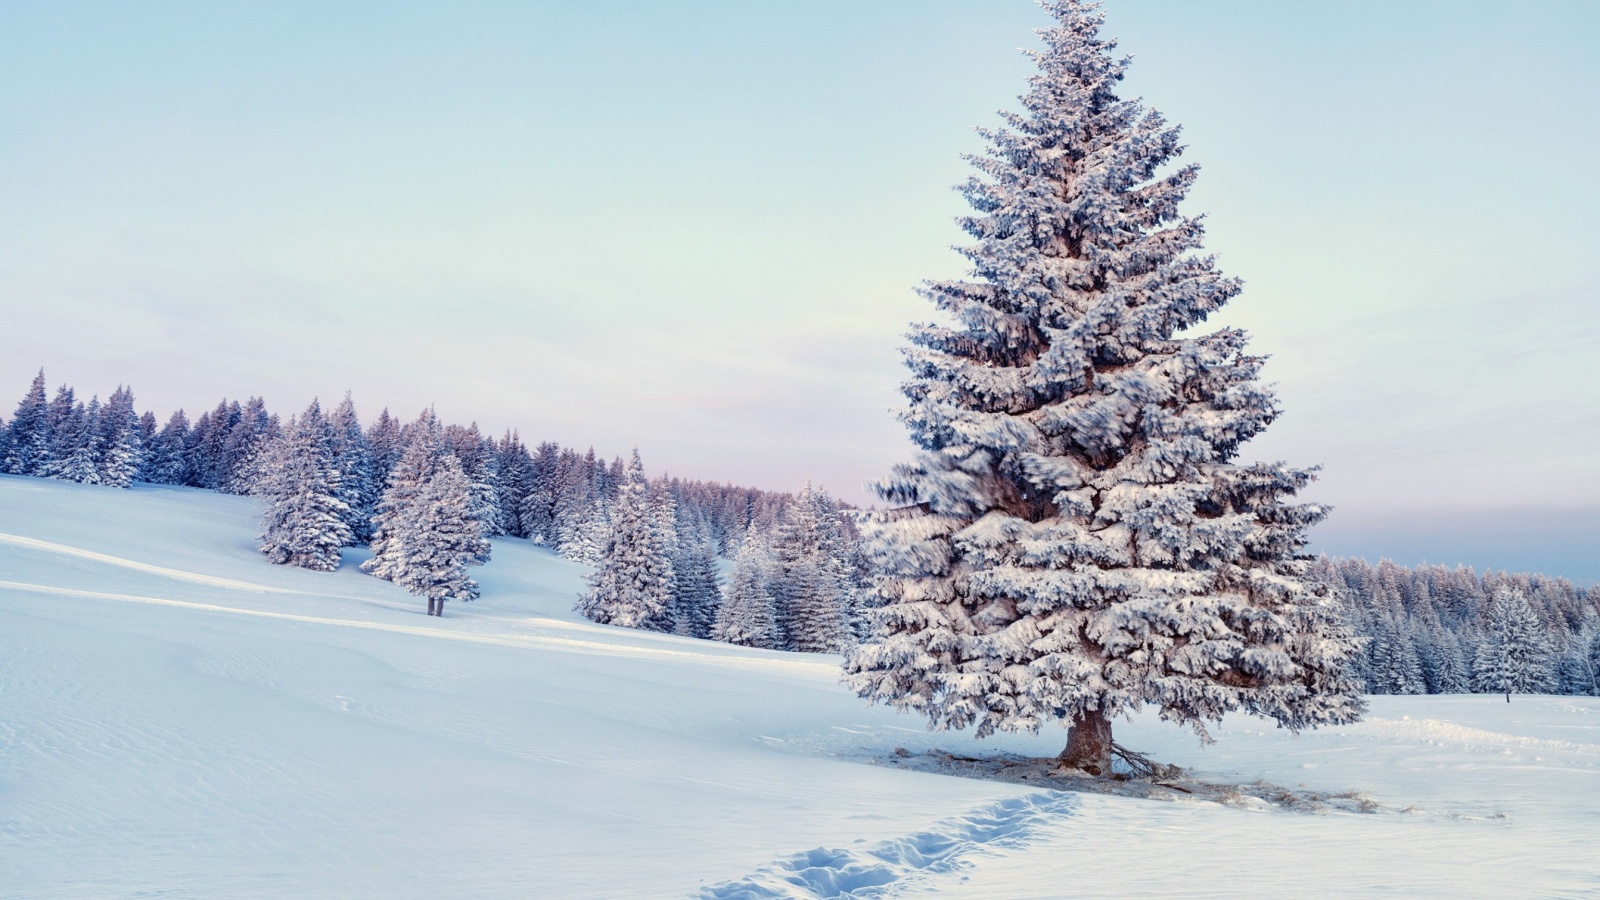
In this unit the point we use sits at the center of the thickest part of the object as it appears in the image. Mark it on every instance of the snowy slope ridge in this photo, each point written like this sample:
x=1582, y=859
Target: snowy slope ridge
x=177, y=716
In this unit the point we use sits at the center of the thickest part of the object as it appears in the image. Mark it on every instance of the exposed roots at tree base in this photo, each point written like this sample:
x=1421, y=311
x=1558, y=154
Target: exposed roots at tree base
x=1141, y=766
x=1133, y=775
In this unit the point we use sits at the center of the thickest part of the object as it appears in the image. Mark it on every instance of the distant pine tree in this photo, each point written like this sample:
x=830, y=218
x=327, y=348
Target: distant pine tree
x=441, y=536
x=121, y=440
x=28, y=450
x=808, y=584
x=384, y=437
x=538, y=510
x=513, y=463
x=353, y=457
x=305, y=519
x=419, y=461
x=585, y=542
x=238, y=466
x=79, y=443
x=165, y=462
x=632, y=585
x=697, y=591
x=1514, y=657
x=64, y=426
x=746, y=616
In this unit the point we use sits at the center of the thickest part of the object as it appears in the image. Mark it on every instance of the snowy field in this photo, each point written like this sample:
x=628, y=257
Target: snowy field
x=179, y=718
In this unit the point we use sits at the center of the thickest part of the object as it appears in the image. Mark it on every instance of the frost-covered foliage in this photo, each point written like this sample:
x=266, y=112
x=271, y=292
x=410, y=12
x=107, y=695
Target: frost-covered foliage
x=305, y=522
x=632, y=585
x=1514, y=657
x=747, y=616
x=1074, y=541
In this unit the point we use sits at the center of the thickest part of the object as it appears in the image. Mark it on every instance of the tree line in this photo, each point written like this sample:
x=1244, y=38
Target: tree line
x=427, y=496
x=1434, y=629
x=703, y=559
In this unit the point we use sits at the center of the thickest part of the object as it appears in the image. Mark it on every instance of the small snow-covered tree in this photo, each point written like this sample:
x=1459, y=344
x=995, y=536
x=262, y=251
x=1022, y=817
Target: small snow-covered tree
x=121, y=440
x=1593, y=660
x=632, y=585
x=809, y=583
x=697, y=591
x=165, y=463
x=29, y=447
x=1075, y=541
x=352, y=456
x=419, y=461
x=305, y=520
x=78, y=444
x=746, y=616
x=1514, y=656
x=1446, y=668
x=442, y=535
x=664, y=524
x=585, y=542
x=1395, y=667
x=537, y=513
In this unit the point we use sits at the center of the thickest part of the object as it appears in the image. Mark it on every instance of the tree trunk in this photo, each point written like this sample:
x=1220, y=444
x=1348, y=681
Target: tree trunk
x=1089, y=744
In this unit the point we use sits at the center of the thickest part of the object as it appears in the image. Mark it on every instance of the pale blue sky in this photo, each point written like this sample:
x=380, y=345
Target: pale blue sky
x=696, y=226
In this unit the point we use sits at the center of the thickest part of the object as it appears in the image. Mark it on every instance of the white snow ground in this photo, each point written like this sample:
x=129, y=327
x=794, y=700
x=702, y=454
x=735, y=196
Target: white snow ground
x=179, y=718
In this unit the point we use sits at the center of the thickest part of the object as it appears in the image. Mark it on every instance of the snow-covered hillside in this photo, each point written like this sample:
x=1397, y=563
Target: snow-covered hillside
x=179, y=717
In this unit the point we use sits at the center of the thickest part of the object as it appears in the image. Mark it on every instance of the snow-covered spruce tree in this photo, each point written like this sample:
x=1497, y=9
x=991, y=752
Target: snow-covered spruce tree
x=696, y=586
x=352, y=456
x=165, y=463
x=29, y=450
x=664, y=521
x=441, y=537
x=1514, y=657
x=77, y=448
x=746, y=616
x=419, y=460
x=1593, y=660
x=305, y=520
x=632, y=585
x=1074, y=541
x=809, y=584
x=586, y=541
x=121, y=440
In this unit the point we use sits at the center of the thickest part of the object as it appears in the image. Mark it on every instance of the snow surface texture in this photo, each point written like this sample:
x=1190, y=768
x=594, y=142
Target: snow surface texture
x=178, y=716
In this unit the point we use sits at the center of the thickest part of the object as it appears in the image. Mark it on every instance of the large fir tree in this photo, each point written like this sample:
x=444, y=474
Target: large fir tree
x=1075, y=541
